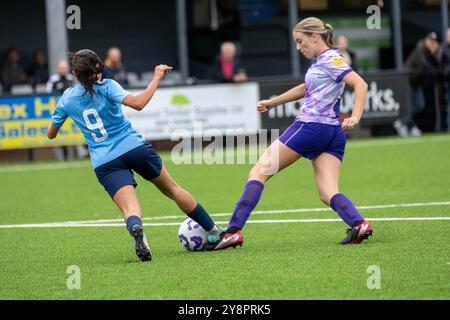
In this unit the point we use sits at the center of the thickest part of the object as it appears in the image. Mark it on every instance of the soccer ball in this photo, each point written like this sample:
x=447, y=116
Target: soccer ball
x=192, y=236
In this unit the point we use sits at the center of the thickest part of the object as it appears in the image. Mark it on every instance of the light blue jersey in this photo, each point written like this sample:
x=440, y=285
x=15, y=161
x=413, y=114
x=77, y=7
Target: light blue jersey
x=106, y=131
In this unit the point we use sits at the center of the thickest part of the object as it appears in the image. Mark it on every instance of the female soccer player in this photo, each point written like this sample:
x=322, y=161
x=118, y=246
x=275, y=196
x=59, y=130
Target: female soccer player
x=316, y=134
x=116, y=148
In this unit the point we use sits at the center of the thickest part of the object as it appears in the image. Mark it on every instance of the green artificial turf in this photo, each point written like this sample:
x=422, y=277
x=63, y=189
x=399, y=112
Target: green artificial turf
x=278, y=260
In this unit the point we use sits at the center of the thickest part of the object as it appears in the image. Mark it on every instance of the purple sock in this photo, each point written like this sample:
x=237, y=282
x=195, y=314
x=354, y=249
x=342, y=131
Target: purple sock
x=246, y=204
x=346, y=210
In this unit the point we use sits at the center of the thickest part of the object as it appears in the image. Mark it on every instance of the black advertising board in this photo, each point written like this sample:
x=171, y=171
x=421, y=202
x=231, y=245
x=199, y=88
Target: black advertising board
x=388, y=99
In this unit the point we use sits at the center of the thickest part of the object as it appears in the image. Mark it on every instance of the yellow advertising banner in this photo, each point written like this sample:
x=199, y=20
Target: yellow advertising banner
x=24, y=121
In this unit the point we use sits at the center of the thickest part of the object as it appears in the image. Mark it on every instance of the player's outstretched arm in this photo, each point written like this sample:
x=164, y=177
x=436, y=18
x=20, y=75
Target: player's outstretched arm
x=360, y=86
x=293, y=94
x=52, y=132
x=138, y=102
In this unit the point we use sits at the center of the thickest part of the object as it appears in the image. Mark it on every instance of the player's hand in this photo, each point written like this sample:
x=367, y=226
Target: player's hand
x=265, y=105
x=161, y=71
x=349, y=124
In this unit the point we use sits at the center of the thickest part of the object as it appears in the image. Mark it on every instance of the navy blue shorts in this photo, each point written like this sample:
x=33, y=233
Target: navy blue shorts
x=311, y=139
x=118, y=173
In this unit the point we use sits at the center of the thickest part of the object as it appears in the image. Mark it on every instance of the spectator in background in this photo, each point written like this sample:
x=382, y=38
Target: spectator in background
x=61, y=80
x=444, y=53
x=38, y=70
x=114, y=68
x=444, y=57
x=422, y=59
x=349, y=55
x=58, y=83
x=12, y=72
x=228, y=66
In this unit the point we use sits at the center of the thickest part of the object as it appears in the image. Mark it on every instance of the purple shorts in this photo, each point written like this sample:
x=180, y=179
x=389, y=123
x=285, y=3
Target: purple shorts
x=310, y=139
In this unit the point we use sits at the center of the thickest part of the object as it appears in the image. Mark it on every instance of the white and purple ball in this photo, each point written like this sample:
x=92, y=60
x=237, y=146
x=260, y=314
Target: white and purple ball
x=192, y=236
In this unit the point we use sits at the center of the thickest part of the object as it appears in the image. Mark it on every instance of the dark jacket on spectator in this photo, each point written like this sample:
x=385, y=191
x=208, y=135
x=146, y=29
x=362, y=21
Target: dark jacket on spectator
x=58, y=83
x=118, y=74
x=444, y=57
x=353, y=56
x=11, y=74
x=38, y=73
x=421, y=59
x=217, y=73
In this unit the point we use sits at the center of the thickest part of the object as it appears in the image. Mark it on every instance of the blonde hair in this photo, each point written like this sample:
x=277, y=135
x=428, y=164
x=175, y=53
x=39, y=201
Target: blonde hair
x=228, y=44
x=314, y=25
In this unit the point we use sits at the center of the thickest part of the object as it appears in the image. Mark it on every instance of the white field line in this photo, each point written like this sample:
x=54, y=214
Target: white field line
x=166, y=224
x=120, y=222
x=311, y=210
x=251, y=152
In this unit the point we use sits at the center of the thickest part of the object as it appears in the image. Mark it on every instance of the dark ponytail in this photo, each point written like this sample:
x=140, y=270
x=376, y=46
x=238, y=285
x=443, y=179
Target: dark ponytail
x=86, y=65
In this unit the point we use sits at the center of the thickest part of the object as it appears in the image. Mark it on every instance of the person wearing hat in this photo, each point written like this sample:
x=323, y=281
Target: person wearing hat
x=422, y=59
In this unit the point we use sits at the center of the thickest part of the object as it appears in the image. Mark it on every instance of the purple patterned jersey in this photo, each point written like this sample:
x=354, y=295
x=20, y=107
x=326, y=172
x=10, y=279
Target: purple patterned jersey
x=324, y=88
